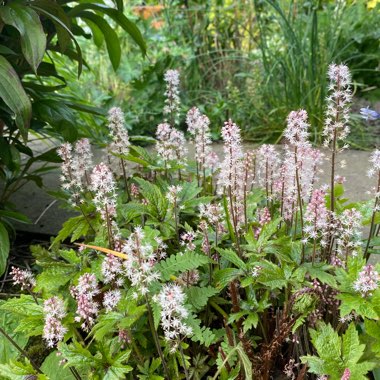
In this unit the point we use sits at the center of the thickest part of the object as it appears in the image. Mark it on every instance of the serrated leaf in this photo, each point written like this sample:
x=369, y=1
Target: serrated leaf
x=203, y=334
x=52, y=368
x=55, y=276
x=9, y=324
x=232, y=257
x=198, y=297
x=251, y=321
x=352, y=349
x=319, y=271
x=223, y=277
x=179, y=263
x=28, y=314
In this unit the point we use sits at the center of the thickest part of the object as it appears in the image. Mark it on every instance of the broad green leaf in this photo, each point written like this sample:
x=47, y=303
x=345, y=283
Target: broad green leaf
x=223, y=277
x=117, y=16
x=9, y=323
x=27, y=22
x=232, y=257
x=28, y=314
x=54, y=11
x=52, y=368
x=14, y=96
x=110, y=36
x=4, y=248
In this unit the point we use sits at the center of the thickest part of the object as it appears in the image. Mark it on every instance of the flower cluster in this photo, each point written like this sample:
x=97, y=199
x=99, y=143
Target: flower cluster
x=337, y=115
x=84, y=293
x=54, y=312
x=112, y=270
x=264, y=218
x=231, y=176
x=172, y=101
x=173, y=194
x=23, y=277
x=104, y=187
x=213, y=213
x=198, y=127
x=316, y=216
x=348, y=233
x=268, y=168
x=296, y=131
x=111, y=299
x=139, y=267
x=75, y=166
x=171, y=299
x=374, y=161
x=367, y=281
x=119, y=134
x=171, y=144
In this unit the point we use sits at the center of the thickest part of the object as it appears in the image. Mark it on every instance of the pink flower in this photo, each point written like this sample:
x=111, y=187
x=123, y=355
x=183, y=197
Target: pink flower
x=171, y=144
x=172, y=101
x=296, y=131
x=171, y=299
x=367, y=281
x=22, y=277
x=198, y=127
x=119, y=134
x=54, y=311
x=338, y=102
x=231, y=176
x=346, y=374
x=84, y=293
x=104, y=187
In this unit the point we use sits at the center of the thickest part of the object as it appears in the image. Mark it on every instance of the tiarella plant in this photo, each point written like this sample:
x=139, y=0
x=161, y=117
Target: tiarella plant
x=246, y=268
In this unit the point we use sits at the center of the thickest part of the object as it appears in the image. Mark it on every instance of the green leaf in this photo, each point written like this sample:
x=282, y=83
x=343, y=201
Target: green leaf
x=251, y=321
x=54, y=11
x=75, y=227
x=117, y=16
x=247, y=365
x=203, y=335
x=28, y=314
x=52, y=368
x=110, y=36
x=57, y=20
x=27, y=22
x=181, y=262
x=55, y=276
x=156, y=310
x=4, y=248
x=78, y=356
x=9, y=324
x=352, y=349
x=198, y=296
x=14, y=96
x=158, y=204
x=223, y=277
x=232, y=257
x=319, y=271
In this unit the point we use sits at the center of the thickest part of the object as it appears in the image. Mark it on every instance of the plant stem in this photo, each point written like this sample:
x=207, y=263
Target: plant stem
x=156, y=339
x=184, y=362
x=125, y=179
x=22, y=352
x=372, y=229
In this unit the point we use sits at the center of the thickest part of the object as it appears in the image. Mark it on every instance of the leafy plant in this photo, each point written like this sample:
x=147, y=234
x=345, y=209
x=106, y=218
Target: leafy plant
x=181, y=270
